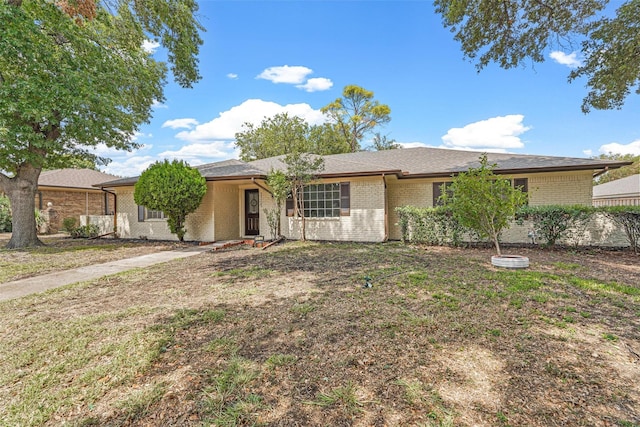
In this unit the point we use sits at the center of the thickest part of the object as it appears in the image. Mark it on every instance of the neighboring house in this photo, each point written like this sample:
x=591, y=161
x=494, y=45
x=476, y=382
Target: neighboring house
x=621, y=192
x=355, y=196
x=70, y=193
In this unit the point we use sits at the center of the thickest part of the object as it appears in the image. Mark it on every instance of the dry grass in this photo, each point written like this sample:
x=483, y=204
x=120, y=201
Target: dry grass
x=290, y=336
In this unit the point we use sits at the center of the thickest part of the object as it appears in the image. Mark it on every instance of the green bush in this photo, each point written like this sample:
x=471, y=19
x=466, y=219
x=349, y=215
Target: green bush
x=85, y=231
x=553, y=222
x=627, y=218
x=5, y=214
x=69, y=224
x=431, y=226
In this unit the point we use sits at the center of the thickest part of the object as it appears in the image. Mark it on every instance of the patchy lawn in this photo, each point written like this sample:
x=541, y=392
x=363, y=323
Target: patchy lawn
x=289, y=336
x=63, y=253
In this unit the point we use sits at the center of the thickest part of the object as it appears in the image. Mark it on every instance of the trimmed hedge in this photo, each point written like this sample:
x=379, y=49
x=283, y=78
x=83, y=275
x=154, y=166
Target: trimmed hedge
x=431, y=226
x=552, y=223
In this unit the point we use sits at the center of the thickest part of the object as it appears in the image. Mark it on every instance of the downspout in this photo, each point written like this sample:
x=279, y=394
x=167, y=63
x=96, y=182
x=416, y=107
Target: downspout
x=115, y=210
x=386, y=210
x=261, y=186
x=597, y=174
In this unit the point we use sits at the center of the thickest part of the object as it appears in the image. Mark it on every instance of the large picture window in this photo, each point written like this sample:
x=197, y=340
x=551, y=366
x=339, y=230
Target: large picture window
x=324, y=200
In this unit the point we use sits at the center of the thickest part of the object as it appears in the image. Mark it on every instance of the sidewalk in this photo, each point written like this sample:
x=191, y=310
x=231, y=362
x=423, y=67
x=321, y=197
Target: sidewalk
x=32, y=285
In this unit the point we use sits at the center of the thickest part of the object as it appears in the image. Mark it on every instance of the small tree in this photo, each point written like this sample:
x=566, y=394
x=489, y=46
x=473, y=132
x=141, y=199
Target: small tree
x=483, y=201
x=174, y=188
x=280, y=187
x=301, y=170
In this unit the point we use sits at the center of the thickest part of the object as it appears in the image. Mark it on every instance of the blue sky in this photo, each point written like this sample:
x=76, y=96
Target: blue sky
x=261, y=58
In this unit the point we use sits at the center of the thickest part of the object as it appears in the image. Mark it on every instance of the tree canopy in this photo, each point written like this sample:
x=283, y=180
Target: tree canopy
x=512, y=31
x=174, y=188
x=283, y=134
x=74, y=74
x=356, y=114
x=622, y=172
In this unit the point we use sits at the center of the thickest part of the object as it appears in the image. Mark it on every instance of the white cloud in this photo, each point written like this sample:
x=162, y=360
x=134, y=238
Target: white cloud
x=616, y=148
x=588, y=152
x=180, y=123
x=316, y=84
x=225, y=126
x=198, y=152
x=150, y=46
x=158, y=104
x=232, y=76
x=496, y=134
x=571, y=60
x=285, y=74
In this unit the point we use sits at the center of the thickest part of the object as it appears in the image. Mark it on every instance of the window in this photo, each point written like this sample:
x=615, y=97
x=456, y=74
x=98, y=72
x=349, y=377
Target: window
x=324, y=200
x=522, y=184
x=438, y=189
x=144, y=214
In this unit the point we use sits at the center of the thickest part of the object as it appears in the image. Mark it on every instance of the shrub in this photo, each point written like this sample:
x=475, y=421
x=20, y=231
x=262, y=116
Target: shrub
x=5, y=214
x=432, y=226
x=85, y=231
x=69, y=224
x=554, y=222
x=627, y=218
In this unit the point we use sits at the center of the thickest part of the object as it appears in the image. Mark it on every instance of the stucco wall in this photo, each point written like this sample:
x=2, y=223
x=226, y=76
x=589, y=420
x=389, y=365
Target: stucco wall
x=364, y=224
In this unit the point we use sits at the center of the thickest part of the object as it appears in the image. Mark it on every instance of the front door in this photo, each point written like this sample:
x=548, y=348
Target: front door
x=252, y=212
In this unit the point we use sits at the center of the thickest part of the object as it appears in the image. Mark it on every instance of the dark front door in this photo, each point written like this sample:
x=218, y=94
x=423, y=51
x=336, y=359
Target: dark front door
x=252, y=212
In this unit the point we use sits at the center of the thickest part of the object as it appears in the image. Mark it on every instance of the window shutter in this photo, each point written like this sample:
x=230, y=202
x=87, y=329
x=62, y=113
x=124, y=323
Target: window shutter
x=522, y=184
x=289, y=206
x=140, y=213
x=345, y=199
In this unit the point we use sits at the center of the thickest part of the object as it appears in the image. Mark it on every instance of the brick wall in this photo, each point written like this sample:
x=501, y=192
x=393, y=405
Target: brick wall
x=71, y=204
x=366, y=222
x=199, y=224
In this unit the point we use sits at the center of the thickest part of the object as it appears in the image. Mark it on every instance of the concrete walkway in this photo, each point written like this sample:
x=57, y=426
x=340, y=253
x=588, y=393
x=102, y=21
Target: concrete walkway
x=32, y=285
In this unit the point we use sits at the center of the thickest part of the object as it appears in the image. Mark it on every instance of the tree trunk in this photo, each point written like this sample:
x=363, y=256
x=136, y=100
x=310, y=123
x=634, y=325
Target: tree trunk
x=21, y=191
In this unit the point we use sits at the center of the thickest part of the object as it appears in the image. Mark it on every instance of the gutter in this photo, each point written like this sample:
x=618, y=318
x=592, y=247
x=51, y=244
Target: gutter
x=262, y=186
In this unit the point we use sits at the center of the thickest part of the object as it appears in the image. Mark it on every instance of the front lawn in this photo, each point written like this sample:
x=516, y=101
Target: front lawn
x=291, y=336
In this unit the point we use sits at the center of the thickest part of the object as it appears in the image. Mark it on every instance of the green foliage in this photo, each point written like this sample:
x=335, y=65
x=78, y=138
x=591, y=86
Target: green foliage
x=280, y=190
x=512, y=31
x=93, y=65
x=483, y=201
x=40, y=219
x=85, y=231
x=273, y=221
x=301, y=170
x=627, y=218
x=174, y=188
x=5, y=214
x=623, y=172
x=380, y=142
x=431, y=226
x=356, y=114
x=553, y=222
x=69, y=224
x=283, y=134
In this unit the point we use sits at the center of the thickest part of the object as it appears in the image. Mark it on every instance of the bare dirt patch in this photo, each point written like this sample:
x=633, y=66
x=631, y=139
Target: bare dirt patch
x=292, y=337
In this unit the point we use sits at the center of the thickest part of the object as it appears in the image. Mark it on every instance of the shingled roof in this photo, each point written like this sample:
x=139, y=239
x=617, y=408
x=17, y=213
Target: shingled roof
x=405, y=163
x=73, y=178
